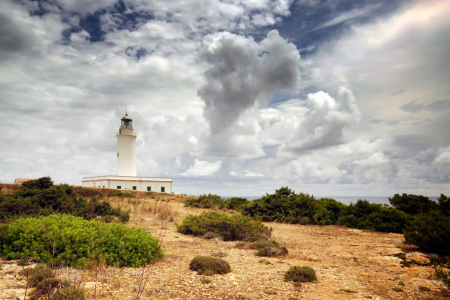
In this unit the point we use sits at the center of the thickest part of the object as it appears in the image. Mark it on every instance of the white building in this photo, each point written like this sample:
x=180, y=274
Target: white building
x=126, y=178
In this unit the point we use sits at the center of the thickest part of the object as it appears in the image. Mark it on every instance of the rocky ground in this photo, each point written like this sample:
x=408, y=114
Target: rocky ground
x=350, y=264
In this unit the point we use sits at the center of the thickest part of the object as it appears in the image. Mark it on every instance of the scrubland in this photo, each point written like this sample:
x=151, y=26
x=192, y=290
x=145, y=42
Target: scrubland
x=349, y=263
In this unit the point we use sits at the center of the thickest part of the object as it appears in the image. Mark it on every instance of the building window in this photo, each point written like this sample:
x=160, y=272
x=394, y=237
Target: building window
x=149, y=188
x=119, y=187
x=163, y=189
x=134, y=188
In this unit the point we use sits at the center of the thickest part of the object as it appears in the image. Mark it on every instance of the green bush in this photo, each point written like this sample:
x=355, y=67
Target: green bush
x=42, y=183
x=286, y=206
x=272, y=251
x=300, y=274
x=206, y=265
x=268, y=248
x=229, y=228
x=117, y=193
x=444, y=205
x=71, y=241
x=412, y=204
x=431, y=232
x=364, y=215
x=235, y=202
x=41, y=198
x=334, y=208
x=205, y=201
x=389, y=220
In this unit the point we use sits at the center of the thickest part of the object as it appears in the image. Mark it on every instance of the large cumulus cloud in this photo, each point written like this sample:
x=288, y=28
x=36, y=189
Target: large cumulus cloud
x=325, y=122
x=243, y=72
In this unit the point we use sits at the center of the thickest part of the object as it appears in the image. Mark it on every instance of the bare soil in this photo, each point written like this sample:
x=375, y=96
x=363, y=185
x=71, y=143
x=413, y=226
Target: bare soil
x=350, y=264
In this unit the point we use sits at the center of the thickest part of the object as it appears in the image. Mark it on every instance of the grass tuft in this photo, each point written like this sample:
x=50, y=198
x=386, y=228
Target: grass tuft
x=206, y=265
x=300, y=274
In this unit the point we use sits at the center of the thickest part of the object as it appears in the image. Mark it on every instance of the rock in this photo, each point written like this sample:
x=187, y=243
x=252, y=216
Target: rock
x=418, y=258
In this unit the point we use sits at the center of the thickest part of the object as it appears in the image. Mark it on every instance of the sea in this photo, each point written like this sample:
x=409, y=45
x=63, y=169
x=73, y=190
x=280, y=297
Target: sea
x=349, y=199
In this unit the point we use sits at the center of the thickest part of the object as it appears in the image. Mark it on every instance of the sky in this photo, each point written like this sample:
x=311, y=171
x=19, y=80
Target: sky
x=233, y=97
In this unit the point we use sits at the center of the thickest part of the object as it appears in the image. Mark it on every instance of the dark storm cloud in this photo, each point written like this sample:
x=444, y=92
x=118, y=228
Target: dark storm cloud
x=13, y=40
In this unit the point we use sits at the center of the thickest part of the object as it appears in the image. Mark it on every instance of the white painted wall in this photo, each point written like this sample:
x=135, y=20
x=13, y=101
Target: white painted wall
x=141, y=185
x=126, y=152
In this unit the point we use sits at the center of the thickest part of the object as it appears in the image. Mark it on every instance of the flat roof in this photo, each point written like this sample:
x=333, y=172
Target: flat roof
x=127, y=178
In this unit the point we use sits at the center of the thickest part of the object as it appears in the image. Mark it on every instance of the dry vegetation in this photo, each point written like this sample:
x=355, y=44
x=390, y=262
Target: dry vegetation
x=9, y=188
x=349, y=263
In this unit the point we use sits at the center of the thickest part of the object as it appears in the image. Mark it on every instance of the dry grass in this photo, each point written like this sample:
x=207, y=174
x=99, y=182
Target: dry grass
x=142, y=209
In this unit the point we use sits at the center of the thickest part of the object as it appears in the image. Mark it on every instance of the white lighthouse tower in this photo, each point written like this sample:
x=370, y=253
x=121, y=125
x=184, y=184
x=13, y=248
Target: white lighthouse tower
x=126, y=148
x=126, y=178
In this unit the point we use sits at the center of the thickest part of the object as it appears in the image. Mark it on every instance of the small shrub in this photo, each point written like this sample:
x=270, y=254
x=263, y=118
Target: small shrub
x=229, y=228
x=263, y=261
x=431, y=232
x=260, y=244
x=300, y=274
x=270, y=292
x=240, y=245
x=78, y=242
x=440, y=271
x=205, y=201
x=235, y=202
x=205, y=265
x=401, y=283
x=57, y=289
x=38, y=274
x=118, y=193
x=297, y=284
x=205, y=280
x=268, y=248
x=272, y=251
x=397, y=289
x=424, y=289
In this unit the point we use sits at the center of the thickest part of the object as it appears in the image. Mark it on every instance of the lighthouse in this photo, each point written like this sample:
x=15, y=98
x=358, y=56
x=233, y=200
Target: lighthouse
x=126, y=148
x=126, y=177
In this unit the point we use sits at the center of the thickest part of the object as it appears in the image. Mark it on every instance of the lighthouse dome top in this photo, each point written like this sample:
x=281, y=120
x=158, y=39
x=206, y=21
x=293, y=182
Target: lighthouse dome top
x=127, y=122
x=126, y=117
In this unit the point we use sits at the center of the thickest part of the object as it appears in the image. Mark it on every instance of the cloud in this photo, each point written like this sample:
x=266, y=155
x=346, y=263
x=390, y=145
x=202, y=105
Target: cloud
x=85, y=6
x=202, y=168
x=253, y=174
x=242, y=72
x=444, y=156
x=373, y=160
x=349, y=15
x=433, y=106
x=325, y=121
x=307, y=169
